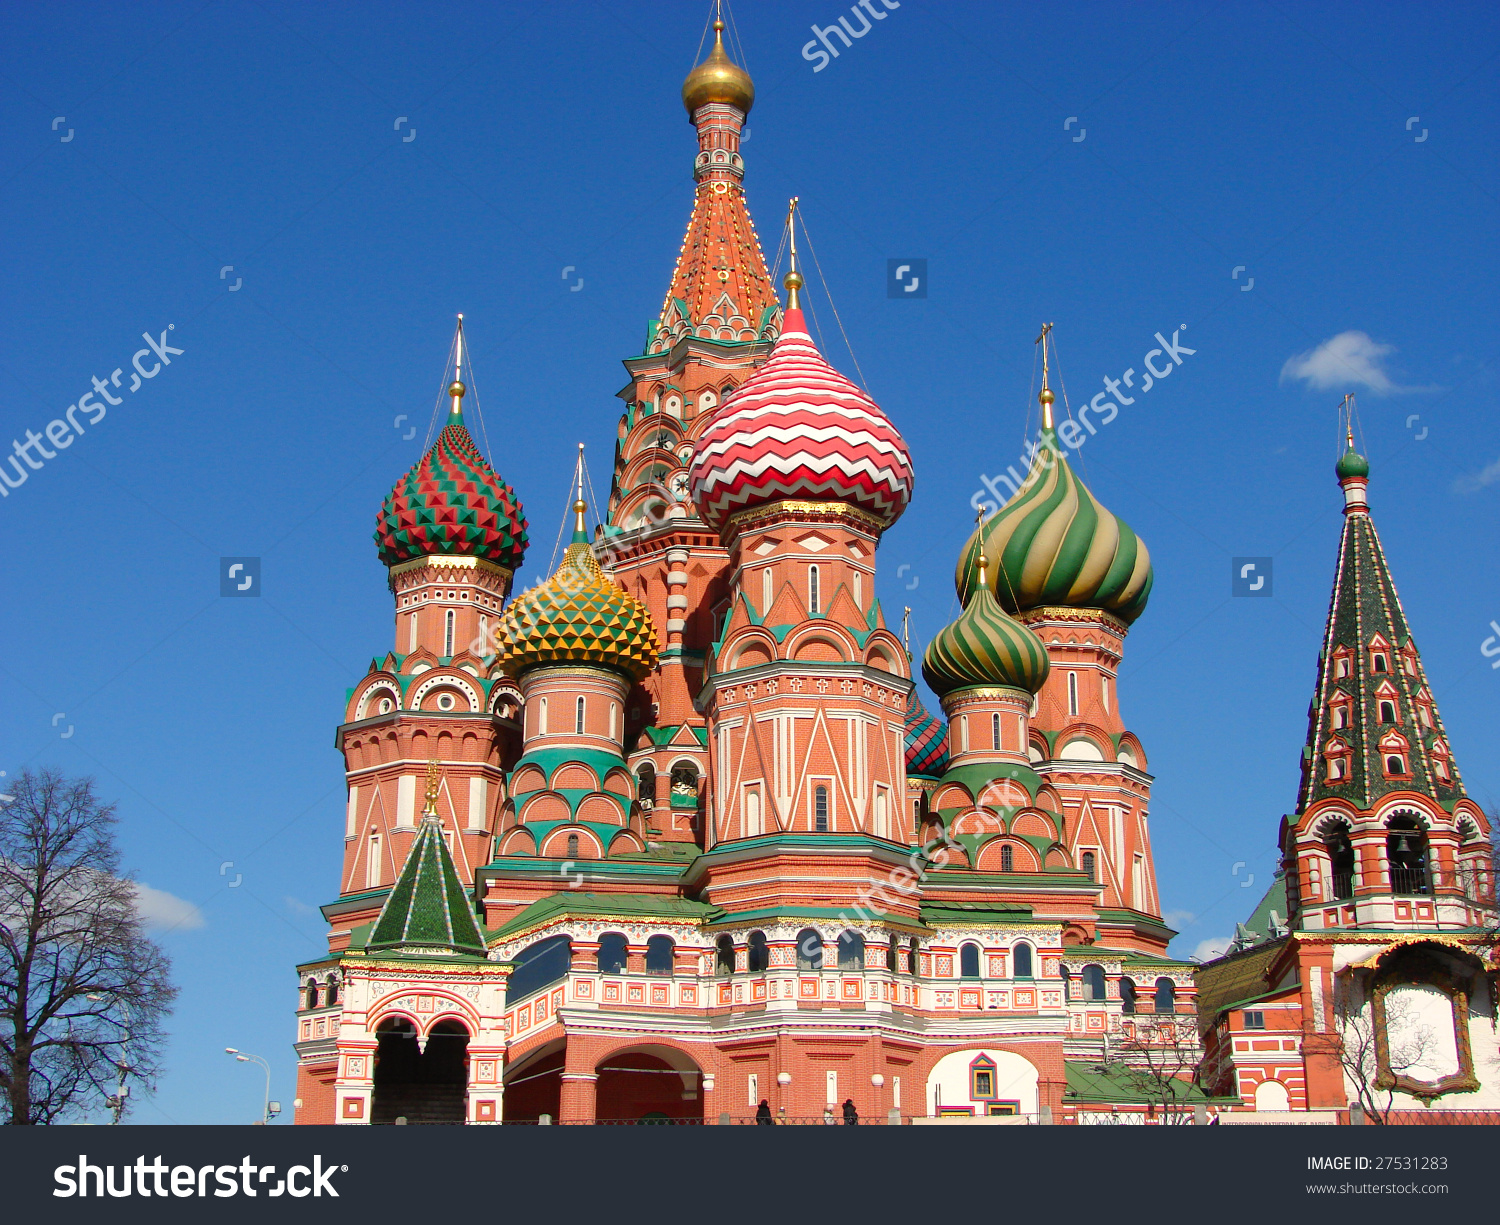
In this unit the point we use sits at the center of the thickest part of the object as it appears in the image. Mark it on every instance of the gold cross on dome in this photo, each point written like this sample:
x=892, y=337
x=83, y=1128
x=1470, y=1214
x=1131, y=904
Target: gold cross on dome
x=432, y=786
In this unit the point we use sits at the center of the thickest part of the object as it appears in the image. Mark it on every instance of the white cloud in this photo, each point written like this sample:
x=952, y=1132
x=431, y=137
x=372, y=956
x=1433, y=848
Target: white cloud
x=1474, y=482
x=1213, y=947
x=163, y=911
x=1350, y=359
x=1179, y=918
x=298, y=907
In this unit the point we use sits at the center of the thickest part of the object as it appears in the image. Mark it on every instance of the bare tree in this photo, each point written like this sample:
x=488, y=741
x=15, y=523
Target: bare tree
x=1408, y=1045
x=83, y=991
x=1160, y=1059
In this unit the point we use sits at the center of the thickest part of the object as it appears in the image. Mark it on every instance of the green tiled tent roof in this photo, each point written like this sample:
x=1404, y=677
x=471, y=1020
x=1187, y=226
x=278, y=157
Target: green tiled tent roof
x=428, y=907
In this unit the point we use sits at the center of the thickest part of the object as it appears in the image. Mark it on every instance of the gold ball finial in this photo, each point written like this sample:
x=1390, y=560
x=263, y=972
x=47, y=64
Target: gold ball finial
x=456, y=390
x=580, y=506
x=793, y=280
x=1047, y=397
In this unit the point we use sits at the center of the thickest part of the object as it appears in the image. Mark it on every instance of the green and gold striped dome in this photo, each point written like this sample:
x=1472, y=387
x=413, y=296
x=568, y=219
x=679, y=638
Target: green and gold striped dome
x=578, y=616
x=984, y=647
x=1053, y=544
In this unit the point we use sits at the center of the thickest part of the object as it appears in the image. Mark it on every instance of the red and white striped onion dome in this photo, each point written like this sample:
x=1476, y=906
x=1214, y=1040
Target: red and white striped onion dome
x=798, y=429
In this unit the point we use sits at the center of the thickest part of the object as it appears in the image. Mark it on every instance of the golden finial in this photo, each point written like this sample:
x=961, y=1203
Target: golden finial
x=432, y=789
x=1349, y=418
x=456, y=388
x=906, y=629
x=1046, y=398
x=793, y=280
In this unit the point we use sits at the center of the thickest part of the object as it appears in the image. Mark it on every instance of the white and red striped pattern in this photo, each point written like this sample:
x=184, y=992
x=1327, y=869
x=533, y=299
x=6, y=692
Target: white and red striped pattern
x=799, y=429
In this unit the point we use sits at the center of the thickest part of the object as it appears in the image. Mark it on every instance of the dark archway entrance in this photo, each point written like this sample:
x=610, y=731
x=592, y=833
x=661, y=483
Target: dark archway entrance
x=420, y=1085
x=533, y=1087
x=651, y=1085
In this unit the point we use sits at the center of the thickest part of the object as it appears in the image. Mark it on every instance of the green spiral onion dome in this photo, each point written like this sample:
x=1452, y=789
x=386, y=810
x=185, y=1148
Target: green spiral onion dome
x=984, y=647
x=1352, y=463
x=578, y=616
x=452, y=502
x=1053, y=544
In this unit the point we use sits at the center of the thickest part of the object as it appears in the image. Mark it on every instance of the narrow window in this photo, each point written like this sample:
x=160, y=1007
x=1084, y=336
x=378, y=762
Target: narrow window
x=541, y=717
x=578, y=718
x=614, y=716
x=448, y=633
x=1166, y=995
x=760, y=955
x=661, y=956
x=1104, y=692
x=752, y=812
x=809, y=949
x=312, y=995
x=813, y=604
x=1127, y=996
x=1379, y=662
x=963, y=733
x=484, y=636
x=1007, y=859
x=765, y=591
x=372, y=868
x=968, y=961
x=1138, y=883
x=1395, y=765
x=572, y=846
x=912, y=964
x=1093, y=982
x=1388, y=712
x=333, y=991
x=995, y=732
x=724, y=955
x=1072, y=693
x=859, y=590
x=1088, y=864
x=820, y=809
x=1023, y=961
x=411, y=640
x=1340, y=717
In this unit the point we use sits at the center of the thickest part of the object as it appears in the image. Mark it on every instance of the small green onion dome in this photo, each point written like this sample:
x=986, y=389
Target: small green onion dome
x=578, y=616
x=1352, y=463
x=1054, y=544
x=984, y=647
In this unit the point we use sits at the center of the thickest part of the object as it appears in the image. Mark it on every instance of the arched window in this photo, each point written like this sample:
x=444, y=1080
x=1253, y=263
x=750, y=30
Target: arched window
x=539, y=965
x=1093, y=982
x=541, y=717
x=1166, y=995
x=333, y=992
x=1066, y=974
x=809, y=950
x=893, y=954
x=1072, y=693
x=752, y=812
x=760, y=955
x=661, y=953
x=1127, y=996
x=1341, y=861
x=1406, y=853
x=765, y=591
x=912, y=964
x=995, y=731
x=312, y=995
x=820, y=808
x=851, y=951
x=572, y=846
x=1395, y=764
x=724, y=955
x=1007, y=859
x=578, y=718
x=968, y=960
x=1379, y=662
x=814, y=594
x=1388, y=712
x=1088, y=865
x=612, y=953
x=448, y=633
x=1022, y=960
x=646, y=785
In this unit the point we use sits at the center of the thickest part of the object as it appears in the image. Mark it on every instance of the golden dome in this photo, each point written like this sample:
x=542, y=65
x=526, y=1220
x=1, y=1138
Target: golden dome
x=718, y=79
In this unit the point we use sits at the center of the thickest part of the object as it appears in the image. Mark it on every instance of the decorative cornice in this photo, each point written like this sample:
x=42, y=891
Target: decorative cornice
x=797, y=511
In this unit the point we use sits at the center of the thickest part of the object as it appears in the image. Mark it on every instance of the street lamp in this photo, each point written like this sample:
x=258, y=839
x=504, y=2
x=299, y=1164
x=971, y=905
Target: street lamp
x=116, y=1103
x=271, y=1109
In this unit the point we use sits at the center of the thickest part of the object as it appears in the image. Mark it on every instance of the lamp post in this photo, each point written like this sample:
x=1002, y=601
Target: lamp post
x=116, y=1103
x=271, y=1109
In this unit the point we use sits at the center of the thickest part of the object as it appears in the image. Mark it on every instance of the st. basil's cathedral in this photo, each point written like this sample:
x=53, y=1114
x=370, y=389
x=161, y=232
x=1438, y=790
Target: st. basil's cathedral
x=671, y=837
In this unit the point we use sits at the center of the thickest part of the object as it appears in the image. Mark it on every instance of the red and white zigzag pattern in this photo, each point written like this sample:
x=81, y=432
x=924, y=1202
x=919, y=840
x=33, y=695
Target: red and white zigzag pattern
x=799, y=429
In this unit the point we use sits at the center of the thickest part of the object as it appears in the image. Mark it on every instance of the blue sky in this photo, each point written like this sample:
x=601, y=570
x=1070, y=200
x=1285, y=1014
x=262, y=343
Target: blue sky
x=1343, y=158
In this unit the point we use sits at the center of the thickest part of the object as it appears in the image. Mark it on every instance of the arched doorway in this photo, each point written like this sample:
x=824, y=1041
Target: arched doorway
x=422, y=1083
x=648, y=1084
x=533, y=1085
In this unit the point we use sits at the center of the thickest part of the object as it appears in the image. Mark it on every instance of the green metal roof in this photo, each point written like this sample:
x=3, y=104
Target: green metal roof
x=614, y=905
x=428, y=906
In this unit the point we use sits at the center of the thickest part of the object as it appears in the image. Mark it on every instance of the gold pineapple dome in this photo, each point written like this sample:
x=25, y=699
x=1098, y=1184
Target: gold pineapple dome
x=718, y=79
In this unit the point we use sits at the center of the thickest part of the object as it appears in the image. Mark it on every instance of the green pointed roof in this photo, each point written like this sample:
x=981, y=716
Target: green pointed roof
x=1364, y=607
x=1054, y=544
x=428, y=909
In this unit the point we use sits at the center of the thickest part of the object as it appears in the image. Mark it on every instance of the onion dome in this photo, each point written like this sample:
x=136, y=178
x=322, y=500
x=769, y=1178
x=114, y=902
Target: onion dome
x=1352, y=464
x=578, y=616
x=799, y=429
x=1054, y=544
x=926, y=741
x=451, y=502
x=984, y=647
x=718, y=79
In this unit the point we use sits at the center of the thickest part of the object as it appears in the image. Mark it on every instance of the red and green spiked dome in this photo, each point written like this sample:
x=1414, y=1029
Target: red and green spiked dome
x=452, y=502
x=926, y=741
x=578, y=617
x=798, y=429
x=1054, y=544
x=984, y=647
